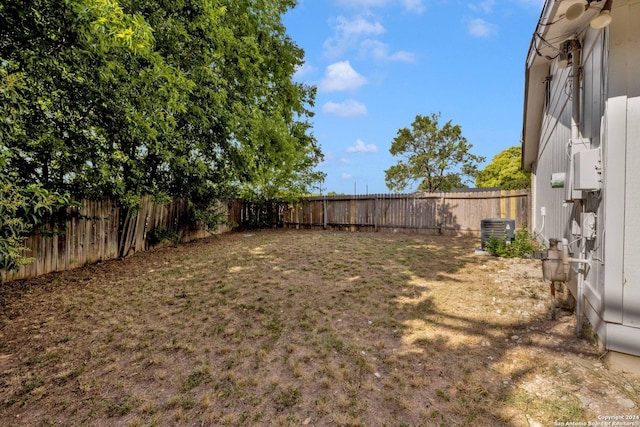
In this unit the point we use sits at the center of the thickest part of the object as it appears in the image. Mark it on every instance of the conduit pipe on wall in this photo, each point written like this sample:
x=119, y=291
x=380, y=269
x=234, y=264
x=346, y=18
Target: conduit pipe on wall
x=576, y=71
x=576, y=74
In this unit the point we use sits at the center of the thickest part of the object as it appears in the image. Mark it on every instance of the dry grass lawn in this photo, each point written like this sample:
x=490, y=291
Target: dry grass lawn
x=300, y=328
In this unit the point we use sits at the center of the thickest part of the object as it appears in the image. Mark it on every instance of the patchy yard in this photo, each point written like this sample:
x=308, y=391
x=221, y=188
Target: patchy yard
x=300, y=328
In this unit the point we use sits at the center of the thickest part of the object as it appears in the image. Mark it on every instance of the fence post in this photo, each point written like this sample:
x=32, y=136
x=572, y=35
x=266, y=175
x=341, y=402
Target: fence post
x=441, y=214
x=353, y=214
x=375, y=213
x=324, y=213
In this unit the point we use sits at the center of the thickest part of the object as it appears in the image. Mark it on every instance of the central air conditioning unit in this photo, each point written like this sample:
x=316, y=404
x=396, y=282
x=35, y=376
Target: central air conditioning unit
x=503, y=229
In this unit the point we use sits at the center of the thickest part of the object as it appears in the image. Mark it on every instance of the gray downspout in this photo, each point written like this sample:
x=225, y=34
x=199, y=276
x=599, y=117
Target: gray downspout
x=576, y=70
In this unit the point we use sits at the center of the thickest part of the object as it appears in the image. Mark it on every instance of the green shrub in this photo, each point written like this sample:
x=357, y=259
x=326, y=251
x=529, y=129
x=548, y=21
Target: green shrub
x=209, y=213
x=523, y=246
x=23, y=209
x=161, y=235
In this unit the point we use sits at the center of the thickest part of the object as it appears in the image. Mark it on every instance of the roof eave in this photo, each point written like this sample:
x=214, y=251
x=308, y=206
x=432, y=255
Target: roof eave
x=533, y=89
x=551, y=26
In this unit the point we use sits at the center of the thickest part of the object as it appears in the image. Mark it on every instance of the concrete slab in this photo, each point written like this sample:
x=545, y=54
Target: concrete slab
x=623, y=362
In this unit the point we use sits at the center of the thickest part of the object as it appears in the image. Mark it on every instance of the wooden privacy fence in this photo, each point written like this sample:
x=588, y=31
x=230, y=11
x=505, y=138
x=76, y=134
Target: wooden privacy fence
x=445, y=213
x=98, y=230
x=89, y=234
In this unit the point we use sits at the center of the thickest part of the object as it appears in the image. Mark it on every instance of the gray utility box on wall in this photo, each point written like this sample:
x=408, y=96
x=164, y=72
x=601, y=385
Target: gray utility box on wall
x=503, y=229
x=587, y=170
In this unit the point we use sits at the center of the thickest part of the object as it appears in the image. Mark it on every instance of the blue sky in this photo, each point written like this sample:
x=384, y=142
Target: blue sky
x=379, y=63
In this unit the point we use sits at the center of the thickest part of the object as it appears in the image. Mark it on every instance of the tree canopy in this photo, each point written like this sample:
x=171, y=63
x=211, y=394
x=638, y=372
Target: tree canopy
x=181, y=98
x=504, y=171
x=438, y=158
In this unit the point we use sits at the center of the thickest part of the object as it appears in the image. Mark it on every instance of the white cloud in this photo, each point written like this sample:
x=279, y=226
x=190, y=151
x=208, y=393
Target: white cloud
x=402, y=56
x=415, y=6
x=485, y=6
x=357, y=32
x=361, y=147
x=340, y=76
x=345, y=175
x=348, y=108
x=358, y=26
x=480, y=28
x=348, y=33
x=380, y=52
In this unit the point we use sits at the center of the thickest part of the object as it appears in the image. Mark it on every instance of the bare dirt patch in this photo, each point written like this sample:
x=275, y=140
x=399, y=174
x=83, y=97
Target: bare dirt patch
x=300, y=328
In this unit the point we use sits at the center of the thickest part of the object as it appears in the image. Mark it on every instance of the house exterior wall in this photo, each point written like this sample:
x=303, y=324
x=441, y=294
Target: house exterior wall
x=552, y=157
x=621, y=140
x=625, y=83
x=610, y=121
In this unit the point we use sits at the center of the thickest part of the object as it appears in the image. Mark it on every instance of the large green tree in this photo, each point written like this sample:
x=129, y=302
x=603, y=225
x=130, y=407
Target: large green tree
x=183, y=98
x=504, y=171
x=437, y=157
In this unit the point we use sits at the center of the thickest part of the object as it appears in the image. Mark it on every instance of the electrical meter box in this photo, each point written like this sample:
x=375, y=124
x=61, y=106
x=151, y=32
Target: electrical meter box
x=587, y=170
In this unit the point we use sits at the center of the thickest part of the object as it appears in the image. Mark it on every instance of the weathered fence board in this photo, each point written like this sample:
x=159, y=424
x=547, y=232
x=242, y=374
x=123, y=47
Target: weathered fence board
x=96, y=231
x=452, y=213
x=87, y=236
